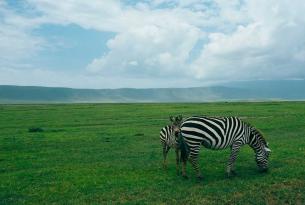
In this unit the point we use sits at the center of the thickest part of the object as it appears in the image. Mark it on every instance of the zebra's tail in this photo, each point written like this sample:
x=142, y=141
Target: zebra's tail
x=183, y=148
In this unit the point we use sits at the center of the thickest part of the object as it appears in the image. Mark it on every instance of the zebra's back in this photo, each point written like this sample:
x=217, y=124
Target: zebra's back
x=212, y=132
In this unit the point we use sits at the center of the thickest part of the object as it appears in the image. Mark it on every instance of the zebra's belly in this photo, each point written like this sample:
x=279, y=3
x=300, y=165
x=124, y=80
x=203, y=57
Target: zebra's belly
x=206, y=142
x=213, y=147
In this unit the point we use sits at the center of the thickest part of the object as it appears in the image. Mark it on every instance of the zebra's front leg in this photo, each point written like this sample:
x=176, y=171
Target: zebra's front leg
x=177, y=161
x=231, y=162
x=165, y=151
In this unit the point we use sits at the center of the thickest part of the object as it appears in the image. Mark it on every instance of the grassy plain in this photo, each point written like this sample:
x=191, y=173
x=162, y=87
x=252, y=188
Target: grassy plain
x=111, y=154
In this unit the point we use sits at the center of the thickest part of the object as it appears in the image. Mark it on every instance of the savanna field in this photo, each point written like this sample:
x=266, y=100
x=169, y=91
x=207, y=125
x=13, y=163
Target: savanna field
x=111, y=154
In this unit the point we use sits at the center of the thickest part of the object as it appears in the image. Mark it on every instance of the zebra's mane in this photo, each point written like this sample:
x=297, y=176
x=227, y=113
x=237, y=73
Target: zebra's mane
x=205, y=116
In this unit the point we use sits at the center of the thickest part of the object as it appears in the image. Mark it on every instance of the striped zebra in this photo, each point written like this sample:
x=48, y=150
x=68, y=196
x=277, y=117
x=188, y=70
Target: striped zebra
x=168, y=138
x=220, y=133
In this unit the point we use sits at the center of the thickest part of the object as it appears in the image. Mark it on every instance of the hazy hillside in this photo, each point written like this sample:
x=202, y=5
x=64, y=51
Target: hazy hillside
x=283, y=89
x=254, y=90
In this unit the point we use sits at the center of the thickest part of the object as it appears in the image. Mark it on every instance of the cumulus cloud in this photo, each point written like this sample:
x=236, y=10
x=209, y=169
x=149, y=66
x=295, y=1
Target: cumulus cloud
x=270, y=46
x=154, y=50
x=210, y=40
x=16, y=41
x=249, y=40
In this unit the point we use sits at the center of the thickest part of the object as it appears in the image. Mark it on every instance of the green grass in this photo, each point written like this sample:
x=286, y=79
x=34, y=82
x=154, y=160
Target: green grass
x=111, y=154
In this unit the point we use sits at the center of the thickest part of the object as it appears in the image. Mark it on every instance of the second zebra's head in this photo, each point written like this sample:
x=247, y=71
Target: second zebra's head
x=262, y=150
x=176, y=122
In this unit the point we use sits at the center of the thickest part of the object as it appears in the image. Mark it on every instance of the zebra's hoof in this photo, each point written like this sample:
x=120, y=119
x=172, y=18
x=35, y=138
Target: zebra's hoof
x=263, y=170
x=231, y=174
x=185, y=177
x=199, y=178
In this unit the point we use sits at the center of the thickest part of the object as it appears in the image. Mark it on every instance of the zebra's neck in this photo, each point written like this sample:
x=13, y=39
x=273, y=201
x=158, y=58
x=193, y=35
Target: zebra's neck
x=171, y=136
x=256, y=141
x=171, y=128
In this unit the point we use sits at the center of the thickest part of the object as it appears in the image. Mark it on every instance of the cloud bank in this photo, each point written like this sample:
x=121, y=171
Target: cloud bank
x=192, y=41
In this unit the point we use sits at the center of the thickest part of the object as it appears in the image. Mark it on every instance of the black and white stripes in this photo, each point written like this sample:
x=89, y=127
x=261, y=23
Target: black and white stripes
x=220, y=133
x=168, y=138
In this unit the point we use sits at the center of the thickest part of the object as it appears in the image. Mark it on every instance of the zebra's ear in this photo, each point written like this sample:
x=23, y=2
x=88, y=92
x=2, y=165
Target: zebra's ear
x=267, y=149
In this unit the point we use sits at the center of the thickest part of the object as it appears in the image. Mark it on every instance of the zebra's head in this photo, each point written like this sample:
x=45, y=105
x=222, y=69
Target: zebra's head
x=262, y=150
x=176, y=122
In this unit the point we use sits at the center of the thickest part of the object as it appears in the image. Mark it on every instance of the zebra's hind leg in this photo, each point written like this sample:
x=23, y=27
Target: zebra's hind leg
x=177, y=161
x=231, y=162
x=165, y=151
x=194, y=161
x=184, y=169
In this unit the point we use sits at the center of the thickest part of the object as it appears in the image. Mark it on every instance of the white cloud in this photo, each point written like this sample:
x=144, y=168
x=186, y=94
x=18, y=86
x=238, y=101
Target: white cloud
x=232, y=40
x=158, y=50
x=269, y=46
x=16, y=40
x=256, y=39
x=45, y=77
x=106, y=15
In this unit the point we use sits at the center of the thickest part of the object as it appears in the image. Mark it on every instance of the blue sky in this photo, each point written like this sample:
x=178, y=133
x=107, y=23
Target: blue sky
x=158, y=43
x=74, y=46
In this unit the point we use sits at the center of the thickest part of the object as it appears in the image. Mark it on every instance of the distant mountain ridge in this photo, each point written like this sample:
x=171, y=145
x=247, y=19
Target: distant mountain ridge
x=238, y=91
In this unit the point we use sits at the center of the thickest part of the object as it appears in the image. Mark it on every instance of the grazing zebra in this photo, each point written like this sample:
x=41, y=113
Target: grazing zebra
x=168, y=138
x=220, y=133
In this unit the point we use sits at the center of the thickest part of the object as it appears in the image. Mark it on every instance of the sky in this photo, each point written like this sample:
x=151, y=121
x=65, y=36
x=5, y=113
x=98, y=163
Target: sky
x=150, y=44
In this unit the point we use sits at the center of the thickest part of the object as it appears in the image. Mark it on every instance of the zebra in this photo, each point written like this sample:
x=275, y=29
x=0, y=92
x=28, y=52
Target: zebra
x=168, y=138
x=220, y=133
